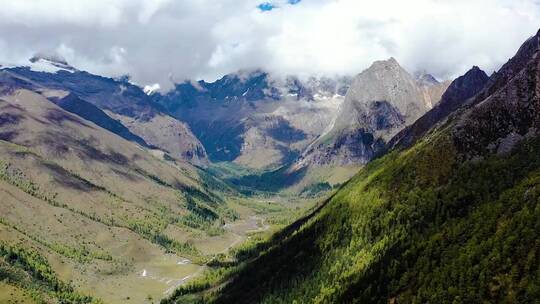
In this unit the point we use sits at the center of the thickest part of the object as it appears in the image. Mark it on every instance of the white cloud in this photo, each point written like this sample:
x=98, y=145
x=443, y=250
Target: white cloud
x=159, y=40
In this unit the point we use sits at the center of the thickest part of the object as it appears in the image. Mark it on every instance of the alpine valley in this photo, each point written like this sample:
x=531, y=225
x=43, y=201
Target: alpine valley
x=388, y=186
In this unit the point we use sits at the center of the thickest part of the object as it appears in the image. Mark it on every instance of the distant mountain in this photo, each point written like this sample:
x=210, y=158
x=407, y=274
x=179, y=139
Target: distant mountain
x=116, y=98
x=293, y=127
x=425, y=79
x=381, y=101
x=43, y=62
x=254, y=119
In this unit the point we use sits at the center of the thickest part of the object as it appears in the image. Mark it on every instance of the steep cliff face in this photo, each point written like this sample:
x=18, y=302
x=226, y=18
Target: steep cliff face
x=116, y=98
x=380, y=102
x=430, y=87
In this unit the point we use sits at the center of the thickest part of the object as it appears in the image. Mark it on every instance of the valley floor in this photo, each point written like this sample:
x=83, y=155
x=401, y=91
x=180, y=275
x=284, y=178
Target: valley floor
x=144, y=273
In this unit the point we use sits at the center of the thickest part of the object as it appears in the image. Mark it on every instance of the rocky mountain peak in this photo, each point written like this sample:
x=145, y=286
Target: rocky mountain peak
x=390, y=63
x=384, y=81
x=244, y=85
x=315, y=88
x=473, y=77
x=528, y=50
x=507, y=108
x=381, y=101
x=425, y=79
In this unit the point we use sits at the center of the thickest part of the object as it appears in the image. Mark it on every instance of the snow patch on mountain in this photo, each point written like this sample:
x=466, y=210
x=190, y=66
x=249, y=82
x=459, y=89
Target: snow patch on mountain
x=151, y=89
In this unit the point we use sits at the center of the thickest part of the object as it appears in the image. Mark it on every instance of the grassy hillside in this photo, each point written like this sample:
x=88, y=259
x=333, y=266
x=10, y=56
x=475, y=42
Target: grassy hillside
x=102, y=210
x=28, y=277
x=413, y=227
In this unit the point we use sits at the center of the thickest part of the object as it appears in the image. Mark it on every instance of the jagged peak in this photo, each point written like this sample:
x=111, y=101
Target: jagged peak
x=475, y=70
x=245, y=74
x=526, y=52
x=424, y=78
x=392, y=62
x=390, y=65
x=530, y=46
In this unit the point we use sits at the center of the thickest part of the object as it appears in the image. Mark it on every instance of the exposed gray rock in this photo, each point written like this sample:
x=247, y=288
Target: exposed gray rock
x=423, y=78
x=380, y=102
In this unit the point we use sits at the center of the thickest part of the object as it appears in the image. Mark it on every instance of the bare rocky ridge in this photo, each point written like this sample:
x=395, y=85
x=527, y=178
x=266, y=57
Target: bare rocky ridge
x=263, y=122
x=380, y=102
x=493, y=114
x=431, y=87
x=507, y=110
x=457, y=94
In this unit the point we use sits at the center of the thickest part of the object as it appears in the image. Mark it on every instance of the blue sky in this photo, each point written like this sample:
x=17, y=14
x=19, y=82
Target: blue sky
x=268, y=6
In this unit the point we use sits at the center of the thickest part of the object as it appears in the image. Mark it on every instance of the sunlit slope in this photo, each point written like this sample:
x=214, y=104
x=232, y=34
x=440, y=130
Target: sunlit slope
x=99, y=208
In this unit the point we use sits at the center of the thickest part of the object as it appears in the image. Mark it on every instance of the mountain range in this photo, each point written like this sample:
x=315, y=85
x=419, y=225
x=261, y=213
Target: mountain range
x=249, y=118
x=301, y=132
x=380, y=102
x=254, y=119
x=105, y=100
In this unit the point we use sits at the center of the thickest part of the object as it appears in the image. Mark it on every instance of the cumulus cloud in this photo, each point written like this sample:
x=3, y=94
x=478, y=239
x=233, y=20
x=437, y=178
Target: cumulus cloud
x=164, y=41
